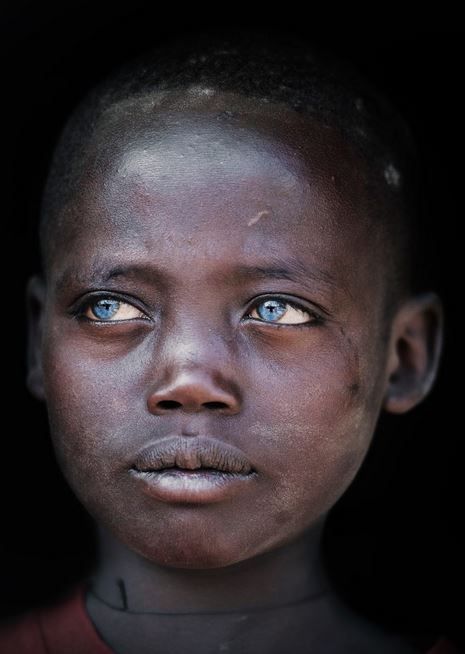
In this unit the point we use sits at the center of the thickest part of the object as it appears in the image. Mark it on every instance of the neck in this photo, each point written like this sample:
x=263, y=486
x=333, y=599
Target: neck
x=282, y=576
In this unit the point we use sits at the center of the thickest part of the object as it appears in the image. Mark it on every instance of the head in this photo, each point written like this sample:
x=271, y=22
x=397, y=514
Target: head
x=226, y=241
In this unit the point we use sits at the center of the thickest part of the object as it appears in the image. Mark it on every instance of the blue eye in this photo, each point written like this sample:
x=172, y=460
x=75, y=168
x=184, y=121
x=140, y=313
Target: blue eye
x=106, y=308
x=272, y=310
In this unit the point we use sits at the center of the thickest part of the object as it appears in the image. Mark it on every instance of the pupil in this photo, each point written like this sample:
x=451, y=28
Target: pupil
x=272, y=309
x=105, y=309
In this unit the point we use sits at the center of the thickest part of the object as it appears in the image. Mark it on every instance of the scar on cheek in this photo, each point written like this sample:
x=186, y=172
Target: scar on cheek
x=354, y=387
x=256, y=218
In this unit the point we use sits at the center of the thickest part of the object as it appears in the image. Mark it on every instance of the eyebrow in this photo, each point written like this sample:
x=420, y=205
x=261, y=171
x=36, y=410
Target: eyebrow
x=291, y=268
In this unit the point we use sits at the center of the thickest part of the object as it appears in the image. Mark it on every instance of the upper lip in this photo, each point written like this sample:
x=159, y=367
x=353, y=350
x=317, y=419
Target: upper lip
x=191, y=453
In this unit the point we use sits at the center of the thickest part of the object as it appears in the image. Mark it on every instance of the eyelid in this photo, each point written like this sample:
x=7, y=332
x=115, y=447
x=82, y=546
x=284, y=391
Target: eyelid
x=300, y=305
x=86, y=299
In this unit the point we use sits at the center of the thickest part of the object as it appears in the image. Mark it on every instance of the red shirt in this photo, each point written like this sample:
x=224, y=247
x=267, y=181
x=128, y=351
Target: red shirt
x=65, y=628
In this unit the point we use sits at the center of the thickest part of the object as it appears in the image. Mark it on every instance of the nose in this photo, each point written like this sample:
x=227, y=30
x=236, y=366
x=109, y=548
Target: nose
x=195, y=390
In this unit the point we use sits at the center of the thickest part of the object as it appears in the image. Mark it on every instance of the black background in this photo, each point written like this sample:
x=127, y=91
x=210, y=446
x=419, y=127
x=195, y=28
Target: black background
x=393, y=540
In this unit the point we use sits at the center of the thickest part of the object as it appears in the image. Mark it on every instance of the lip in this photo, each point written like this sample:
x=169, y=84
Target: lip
x=193, y=469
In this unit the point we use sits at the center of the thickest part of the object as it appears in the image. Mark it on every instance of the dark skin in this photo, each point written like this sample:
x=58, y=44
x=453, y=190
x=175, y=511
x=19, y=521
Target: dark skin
x=187, y=197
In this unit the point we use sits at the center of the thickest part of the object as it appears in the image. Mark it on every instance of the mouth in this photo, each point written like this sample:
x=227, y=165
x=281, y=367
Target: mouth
x=198, y=469
x=192, y=453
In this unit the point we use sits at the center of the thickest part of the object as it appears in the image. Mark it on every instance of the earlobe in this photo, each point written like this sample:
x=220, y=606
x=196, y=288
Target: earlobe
x=414, y=352
x=35, y=300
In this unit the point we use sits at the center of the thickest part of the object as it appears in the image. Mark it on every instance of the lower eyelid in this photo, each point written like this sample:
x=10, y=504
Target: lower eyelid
x=102, y=323
x=118, y=320
x=307, y=323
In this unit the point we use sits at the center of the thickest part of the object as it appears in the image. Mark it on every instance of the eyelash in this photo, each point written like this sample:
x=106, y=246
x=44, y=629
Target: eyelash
x=78, y=311
x=316, y=318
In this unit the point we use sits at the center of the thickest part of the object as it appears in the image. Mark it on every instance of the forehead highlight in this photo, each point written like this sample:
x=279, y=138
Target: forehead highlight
x=198, y=149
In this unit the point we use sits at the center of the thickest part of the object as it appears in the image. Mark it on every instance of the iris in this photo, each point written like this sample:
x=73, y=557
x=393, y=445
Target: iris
x=271, y=309
x=105, y=308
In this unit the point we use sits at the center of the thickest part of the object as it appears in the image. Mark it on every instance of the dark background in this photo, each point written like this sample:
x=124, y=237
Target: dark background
x=392, y=541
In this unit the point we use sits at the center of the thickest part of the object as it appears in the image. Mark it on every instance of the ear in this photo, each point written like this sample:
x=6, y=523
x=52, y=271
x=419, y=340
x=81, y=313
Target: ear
x=35, y=301
x=414, y=352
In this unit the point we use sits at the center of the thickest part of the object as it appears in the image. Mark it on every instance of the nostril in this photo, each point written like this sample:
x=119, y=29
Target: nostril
x=169, y=404
x=193, y=398
x=215, y=405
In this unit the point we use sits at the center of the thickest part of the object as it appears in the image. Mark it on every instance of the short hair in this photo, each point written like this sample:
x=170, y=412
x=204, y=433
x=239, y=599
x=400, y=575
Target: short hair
x=280, y=68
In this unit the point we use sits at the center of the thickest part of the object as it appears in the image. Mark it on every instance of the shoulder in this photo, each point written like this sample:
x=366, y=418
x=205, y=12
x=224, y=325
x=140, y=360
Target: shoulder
x=61, y=626
x=22, y=635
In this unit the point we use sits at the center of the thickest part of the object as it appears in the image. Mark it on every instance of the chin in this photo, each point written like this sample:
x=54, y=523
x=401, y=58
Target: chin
x=191, y=553
x=192, y=558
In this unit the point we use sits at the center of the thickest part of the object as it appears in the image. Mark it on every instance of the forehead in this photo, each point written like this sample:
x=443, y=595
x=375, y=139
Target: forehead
x=219, y=177
x=206, y=132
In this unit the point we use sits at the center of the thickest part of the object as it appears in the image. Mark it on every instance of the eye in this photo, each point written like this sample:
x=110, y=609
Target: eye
x=109, y=309
x=283, y=312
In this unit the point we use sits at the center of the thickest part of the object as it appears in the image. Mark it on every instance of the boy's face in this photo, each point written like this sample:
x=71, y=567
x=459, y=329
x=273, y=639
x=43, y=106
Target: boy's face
x=167, y=219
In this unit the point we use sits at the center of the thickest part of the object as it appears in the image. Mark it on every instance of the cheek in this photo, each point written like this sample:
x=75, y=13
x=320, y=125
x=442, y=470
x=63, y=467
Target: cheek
x=88, y=406
x=306, y=423
x=319, y=427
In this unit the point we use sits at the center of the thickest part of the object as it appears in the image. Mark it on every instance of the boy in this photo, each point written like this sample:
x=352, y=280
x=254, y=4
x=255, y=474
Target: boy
x=226, y=306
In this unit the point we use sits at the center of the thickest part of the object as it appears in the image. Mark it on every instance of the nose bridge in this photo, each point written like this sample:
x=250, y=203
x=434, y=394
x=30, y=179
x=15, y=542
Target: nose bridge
x=195, y=370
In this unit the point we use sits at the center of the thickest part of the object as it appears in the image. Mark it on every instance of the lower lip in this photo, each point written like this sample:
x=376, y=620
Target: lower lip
x=192, y=486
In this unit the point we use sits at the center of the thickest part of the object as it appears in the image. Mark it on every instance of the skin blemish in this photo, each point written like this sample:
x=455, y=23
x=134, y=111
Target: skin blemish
x=201, y=90
x=226, y=115
x=354, y=388
x=256, y=218
x=392, y=175
x=359, y=104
